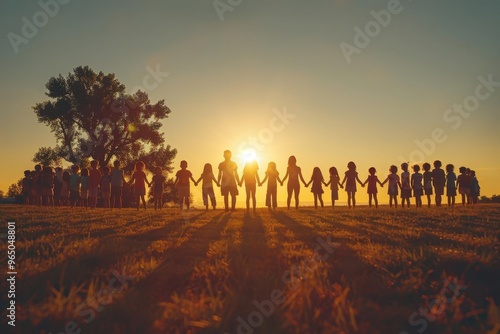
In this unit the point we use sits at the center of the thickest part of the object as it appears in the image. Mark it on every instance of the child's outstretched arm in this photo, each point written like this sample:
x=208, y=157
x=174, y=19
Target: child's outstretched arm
x=236, y=176
x=146, y=179
x=359, y=181
x=363, y=184
x=257, y=178
x=379, y=182
x=284, y=179
x=216, y=182
x=132, y=179
x=385, y=181
x=328, y=183
x=301, y=177
x=191, y=178
x=219, y=176
x=263, y=181
x=198, y=181
x=343, y=181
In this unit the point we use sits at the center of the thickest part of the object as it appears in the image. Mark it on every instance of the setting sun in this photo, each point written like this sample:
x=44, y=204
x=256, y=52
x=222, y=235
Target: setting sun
x=248, y=155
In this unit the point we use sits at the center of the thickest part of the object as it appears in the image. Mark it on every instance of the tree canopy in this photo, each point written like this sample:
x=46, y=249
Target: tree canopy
x=92, y=117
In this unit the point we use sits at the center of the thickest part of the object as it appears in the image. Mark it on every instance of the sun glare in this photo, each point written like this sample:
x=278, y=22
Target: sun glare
x=247, y=156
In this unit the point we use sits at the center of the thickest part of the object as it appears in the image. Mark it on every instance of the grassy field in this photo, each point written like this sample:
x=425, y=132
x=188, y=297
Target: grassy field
x=306, y=271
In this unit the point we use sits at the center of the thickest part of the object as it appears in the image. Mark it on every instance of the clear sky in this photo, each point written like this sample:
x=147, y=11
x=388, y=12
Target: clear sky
x=233, y=68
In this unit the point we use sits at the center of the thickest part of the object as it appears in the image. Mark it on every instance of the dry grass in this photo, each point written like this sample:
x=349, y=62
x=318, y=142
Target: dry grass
x=206, y=272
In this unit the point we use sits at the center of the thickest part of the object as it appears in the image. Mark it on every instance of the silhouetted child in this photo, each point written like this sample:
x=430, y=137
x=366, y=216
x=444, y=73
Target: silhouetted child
x=207, y=187
x=405, y=185
x=84, y=180
x=74, y=186
x=117, y=182
x=140, y=180
x=37, y=184
x=293, y=173
x=416, y=184
x=57, y=186
x=372, y=181
x=427, y=182
x=392, y=188
x=47, y=177
x=272, y=178
x=334, y=184
x=182, y=178
x=64, y=197
x=105, y=185
x=93, y=183
x=251, y=179
x=27, y=187
x=451, y=190
x=350, y=179
x=439, y=180
x=474, y=187
x=464, y=185
x=228, y=180
x=317, y=181
x=158, y=182
x=33, y=195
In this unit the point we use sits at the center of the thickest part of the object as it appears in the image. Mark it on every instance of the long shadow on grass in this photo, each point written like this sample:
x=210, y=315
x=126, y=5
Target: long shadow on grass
x=106, y=252
x=255, y=274
x=346, y=267
x=136, y=312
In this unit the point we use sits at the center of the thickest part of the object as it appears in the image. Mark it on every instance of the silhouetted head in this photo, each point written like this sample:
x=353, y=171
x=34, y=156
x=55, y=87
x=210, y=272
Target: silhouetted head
x=437, y=164
x=416, y=168
x=351, y=165
x=207, y=169
x=393, y=169
x=65, y=176
x=27, y=173
x=59, y=171
x=38, y=167
x=184, y=164
x=426, y=166
x=94, y=164
x=85, y=172
x=450, y=168
x=139, y=166
x=105, y=170
x=317, y=175
x=158, y=170
x=404, y=166
x=372, y=170
x=333, y=171
x=74, y=168
x=271, y=166
x=292, y=161
x=116, y=164
x=462, y=170
x=48, y=170
x=473, y=173
x=227, y=154
x=468, y=171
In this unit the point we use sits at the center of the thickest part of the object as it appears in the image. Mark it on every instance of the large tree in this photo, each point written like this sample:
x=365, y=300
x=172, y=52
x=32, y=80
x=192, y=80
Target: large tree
x=92, y=117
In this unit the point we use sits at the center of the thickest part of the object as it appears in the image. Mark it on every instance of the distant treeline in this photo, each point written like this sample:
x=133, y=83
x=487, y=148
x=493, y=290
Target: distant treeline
x=492, y=199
